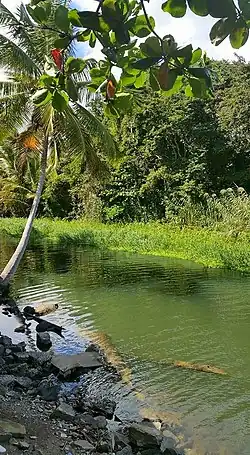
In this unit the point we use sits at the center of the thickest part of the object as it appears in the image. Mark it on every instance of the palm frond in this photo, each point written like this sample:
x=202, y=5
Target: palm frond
x=13, y=58
x=97, y=130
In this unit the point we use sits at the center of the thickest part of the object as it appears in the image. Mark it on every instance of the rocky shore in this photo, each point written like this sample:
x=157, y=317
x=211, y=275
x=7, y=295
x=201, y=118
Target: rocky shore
x=52, y=404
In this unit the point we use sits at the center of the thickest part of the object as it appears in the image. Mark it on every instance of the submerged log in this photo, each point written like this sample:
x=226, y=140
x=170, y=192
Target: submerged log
x=46, y=326
x=40, y=310
x=199, y=367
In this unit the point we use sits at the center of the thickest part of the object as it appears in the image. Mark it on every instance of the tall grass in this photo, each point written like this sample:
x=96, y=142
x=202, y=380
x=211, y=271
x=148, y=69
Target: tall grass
x=207, y=246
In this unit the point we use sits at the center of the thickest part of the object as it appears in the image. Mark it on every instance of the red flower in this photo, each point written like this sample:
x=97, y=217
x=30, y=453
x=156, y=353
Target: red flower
x=57, y=57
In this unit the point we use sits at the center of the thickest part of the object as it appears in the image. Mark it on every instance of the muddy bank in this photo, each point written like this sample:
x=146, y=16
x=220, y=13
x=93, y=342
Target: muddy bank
x=55, y=404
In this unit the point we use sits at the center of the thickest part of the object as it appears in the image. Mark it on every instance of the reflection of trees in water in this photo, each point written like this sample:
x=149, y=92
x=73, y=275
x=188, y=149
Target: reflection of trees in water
x=102, y=268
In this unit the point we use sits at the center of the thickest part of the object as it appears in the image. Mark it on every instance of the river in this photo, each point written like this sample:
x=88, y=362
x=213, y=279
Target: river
x=155, y=311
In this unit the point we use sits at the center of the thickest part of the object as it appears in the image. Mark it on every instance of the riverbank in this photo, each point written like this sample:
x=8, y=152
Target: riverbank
x=71, y=404
x=212, y=248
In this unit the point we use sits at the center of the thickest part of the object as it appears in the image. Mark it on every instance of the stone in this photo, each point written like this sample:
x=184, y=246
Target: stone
x=3, y=391
x=7, y=380
x=20, y=347
x=2, y=349
x=65, y=412
x=23, y=445
x=144, y=436
x=8, y=351
x=68, y=364
x=20, y=329
x=21, y=357
x=101, y=422
x=125, y=451
x=43, y=341
x=103, y=406
x=6, y=341
x=49, y=388
x=2, y=449
x=40, y=358
x=169, y=441
x=23, y=383
x=2, y=361
x=15, y=429
x=4, y=436
x=84, y=445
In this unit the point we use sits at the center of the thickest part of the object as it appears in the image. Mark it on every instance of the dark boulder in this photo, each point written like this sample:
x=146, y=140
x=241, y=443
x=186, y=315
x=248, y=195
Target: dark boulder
x=144, y=436
x=43, y=341
x=49, y=388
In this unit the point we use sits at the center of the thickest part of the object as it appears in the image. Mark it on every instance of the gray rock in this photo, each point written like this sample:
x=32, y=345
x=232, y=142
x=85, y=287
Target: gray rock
x=144, y=435
x=21, y=357
x=3, y=391
x=65, y=412
x=40, y=358
x=2, y=349
x=43, y=341
x=2, y=449
x=2, y=362
x=169, y=441
x=20, y=329
x=101, y=422
x=4, y=436
x=7, y=380
x=15, y=429
x=20, y=347
x=102, y=406
x=6, y=341
x=84, y=445
x=23, y=445
x=49, y=388
x=23, y=383
x=68, y=364
x=8, y=351
x=125, y=451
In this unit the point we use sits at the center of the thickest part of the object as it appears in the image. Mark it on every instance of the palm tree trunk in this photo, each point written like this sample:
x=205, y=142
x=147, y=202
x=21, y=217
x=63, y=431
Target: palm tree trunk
x=13, y=263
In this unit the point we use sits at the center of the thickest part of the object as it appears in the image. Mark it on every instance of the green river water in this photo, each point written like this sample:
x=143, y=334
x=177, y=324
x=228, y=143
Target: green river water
x=156, y=310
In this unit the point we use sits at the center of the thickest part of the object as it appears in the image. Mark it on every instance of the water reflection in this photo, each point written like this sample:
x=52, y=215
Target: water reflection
x=155, y=311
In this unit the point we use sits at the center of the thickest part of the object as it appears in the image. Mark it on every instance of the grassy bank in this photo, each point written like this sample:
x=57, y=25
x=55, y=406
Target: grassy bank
x=209, y=247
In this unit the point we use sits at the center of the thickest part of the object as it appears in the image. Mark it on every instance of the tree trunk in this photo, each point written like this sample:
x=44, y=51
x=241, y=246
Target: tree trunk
x=13, y=263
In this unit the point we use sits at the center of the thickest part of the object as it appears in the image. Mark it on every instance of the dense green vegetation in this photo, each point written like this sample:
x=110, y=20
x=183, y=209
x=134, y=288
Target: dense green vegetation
x=209, y=247
x=181, y=160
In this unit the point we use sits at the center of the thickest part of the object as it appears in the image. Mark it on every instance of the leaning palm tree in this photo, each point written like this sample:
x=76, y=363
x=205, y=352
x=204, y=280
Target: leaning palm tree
x=22, y=54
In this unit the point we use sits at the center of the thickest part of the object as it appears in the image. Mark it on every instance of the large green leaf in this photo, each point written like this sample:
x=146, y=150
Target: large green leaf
x=186, y=53
x=41, y=97
x=201, y=73
x=127, y=79
x=245, y=8
x=177, y=8
x=92, y=20
x=39, y=14
x=62, y=43
x=199, y=7
x=71, y=89
x=196, y=56
x=60, y=100
x=221, y=30
x=151, y=47
x=139, y=26
x=239, y=36
x=123, y=102
x=74, y=65
x=141, y=79
x=61, y=18
x=145, y=63
x=221, y=8
x=74, y=18
x=198, y=86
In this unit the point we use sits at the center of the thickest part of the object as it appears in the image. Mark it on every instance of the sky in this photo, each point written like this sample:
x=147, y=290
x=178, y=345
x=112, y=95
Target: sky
x=190, y=29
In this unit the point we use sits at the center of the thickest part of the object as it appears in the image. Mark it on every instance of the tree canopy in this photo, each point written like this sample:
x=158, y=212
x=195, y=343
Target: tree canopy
x=130, y=43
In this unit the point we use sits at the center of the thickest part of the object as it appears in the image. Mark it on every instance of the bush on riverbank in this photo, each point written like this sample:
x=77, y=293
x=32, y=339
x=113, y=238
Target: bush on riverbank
x=211, y=247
